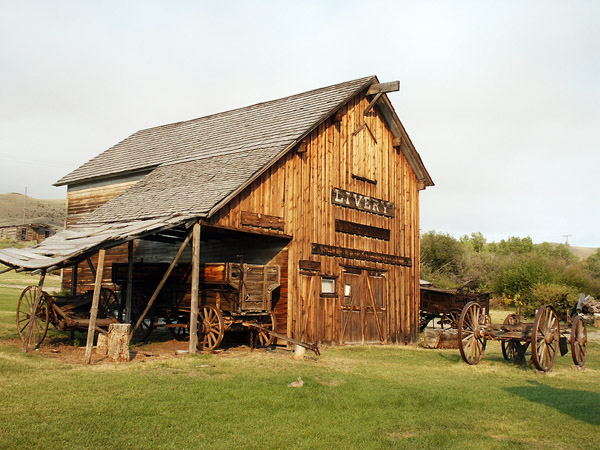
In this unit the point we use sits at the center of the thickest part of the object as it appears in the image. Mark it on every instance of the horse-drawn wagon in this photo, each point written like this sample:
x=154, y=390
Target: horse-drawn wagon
x=447, y=304
x=545, y=334
x=233, y=296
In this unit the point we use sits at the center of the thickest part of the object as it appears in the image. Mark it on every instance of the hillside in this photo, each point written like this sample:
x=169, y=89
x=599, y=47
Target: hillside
x=51, y=212
x=580, y=252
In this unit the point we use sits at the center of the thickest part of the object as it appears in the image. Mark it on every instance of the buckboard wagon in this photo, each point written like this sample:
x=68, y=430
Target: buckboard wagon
x=233, y=296
x=447, y=304
x=545, y=334
x=65, y=313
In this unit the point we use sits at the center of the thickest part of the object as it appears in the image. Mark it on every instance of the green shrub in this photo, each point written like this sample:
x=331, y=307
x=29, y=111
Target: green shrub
x=562, y=298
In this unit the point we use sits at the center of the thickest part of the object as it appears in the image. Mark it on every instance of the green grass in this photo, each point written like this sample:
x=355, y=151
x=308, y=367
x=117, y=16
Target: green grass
x=354, y=397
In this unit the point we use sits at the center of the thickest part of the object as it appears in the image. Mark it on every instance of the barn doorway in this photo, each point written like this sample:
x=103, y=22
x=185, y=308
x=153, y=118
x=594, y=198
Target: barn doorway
x=363, y=307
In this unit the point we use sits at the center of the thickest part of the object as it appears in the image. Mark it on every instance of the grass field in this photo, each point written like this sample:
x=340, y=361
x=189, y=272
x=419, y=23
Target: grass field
x=353, y=397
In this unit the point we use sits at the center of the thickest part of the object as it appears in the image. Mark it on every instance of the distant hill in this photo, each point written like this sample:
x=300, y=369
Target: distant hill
x=580, y=252
x=51, y=212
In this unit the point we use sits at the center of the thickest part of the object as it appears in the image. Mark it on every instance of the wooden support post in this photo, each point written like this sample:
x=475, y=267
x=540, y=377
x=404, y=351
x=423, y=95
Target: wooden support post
x=32, y=313
x=161, y=284
x=129, y=291
x=195, y=289
x=74, y=270
x=94, y=310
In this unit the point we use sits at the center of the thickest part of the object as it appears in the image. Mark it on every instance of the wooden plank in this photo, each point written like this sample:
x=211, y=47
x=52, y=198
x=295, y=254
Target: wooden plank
x=360, y=202
x=363, y=255
x=343, y=226
x=94, y=309
x=307, y=264
x=382, y=88
x=262, y=220
x=195, y=288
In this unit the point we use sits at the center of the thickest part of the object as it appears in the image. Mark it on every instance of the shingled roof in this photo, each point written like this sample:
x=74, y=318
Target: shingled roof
x=270, y=125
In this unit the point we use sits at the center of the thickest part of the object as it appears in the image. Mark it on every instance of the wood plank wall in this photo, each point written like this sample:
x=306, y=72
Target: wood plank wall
x=79, y=203
x=298, y=190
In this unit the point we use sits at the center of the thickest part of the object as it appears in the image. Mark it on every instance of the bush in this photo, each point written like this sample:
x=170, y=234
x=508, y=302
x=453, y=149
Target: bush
x=440, y=252
x=562, y=298
x=519, y=277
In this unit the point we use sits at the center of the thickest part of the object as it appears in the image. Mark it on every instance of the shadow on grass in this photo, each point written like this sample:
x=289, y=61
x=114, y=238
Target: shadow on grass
x=581, y=405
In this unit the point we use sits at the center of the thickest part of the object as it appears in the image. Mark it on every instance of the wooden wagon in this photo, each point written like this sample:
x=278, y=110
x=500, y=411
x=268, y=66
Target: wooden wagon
x=545, y=334
x=233, y=296
x=447, y=304
x=65, y=313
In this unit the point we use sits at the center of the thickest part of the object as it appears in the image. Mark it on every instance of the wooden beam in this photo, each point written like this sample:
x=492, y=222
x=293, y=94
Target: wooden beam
x=375, y=100
x=74, y=269
x=161, y=284
x=302, y=146
x=129, y=291
x=91, y=266
x=397, y=141
x=343, y=226
x=307, y=264
x=361, y=255
x=94, y=310
x=262, y=220
x=382, y=88
x=34, y=307
x=195, y=289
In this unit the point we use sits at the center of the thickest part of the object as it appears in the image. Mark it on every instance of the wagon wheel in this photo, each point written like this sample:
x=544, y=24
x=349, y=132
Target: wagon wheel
x=544, y=338
x=452, y=318
x=511, y=348
x=41, y=318
x=211, y=327
x=471, y=332
x=179, y=333
x=424, y=319
x=109, y=304
x=260, y=338
x=578, y=341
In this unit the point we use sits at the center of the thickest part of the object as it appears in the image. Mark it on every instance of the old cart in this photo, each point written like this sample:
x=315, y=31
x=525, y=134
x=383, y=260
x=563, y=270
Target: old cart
x=447, y=304
x=69, y=313
x=545, y=335
x=233, y=296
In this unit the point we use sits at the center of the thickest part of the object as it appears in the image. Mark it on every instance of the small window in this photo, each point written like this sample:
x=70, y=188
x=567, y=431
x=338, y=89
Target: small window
x=23, y=234
x=347, y=290
x=328, y=286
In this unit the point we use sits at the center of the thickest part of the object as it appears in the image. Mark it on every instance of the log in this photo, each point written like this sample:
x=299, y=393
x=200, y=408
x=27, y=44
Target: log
x=102, y=344
x=118, y=342
x=436, y=338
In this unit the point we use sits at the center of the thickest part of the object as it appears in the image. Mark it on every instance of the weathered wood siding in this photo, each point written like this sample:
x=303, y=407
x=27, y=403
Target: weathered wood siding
x=297, y=191
x=81, y=201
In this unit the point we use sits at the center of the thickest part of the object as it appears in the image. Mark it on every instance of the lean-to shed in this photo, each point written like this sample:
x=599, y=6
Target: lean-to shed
x=324, y=184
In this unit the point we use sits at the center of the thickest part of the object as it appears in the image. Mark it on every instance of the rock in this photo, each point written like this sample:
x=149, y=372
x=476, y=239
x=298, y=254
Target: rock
x=437, y=338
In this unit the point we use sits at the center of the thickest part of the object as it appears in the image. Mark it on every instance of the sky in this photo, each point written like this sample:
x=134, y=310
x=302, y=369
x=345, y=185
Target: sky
x=501, y=99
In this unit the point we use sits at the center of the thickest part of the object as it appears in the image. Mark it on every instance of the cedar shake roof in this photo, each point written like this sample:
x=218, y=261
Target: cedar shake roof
x=199, y=165
x=272, y=125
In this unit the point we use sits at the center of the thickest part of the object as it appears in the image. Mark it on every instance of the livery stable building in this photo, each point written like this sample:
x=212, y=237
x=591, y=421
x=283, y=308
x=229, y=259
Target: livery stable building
x=305, y=208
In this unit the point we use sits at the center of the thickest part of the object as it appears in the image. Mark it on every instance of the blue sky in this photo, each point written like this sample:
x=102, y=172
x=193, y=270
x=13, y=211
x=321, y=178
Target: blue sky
x=501, y=99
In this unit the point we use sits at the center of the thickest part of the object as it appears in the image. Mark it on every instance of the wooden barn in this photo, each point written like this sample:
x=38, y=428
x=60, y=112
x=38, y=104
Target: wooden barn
x=27, y=232
x=323, y=185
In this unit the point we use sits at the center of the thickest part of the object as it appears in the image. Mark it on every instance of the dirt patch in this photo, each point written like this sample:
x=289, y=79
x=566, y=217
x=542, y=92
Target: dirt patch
x=64, y=350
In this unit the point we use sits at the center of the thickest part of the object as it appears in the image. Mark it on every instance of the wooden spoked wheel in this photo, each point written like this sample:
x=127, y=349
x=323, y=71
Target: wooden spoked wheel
x=511, y=348
x=471, y=333
x=40, y=318
x=578, y=341
x=545, y=338
x=211, y=327
x=109, y=304
x=261, y=338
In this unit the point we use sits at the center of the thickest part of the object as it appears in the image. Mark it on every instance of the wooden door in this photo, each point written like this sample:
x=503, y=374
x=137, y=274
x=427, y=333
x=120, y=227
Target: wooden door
x=363, y=308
